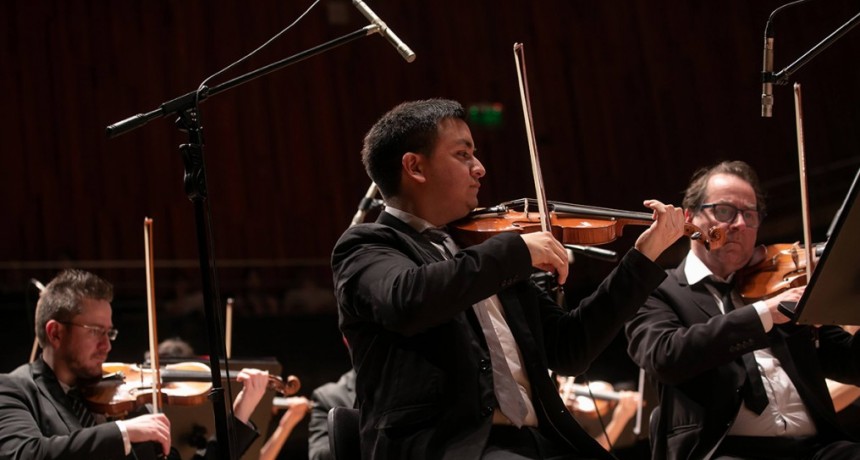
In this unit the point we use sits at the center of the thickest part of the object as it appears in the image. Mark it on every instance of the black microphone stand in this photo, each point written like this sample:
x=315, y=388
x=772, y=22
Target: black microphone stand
x=185, y=107
x=781, y=77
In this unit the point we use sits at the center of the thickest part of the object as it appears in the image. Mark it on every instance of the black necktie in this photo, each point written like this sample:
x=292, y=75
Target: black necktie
x=80, y=409
x=753, y=392
x=438, y=236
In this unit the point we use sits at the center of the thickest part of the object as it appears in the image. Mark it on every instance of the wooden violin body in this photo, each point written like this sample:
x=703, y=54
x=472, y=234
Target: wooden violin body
x=781, y=267
x=126, y=387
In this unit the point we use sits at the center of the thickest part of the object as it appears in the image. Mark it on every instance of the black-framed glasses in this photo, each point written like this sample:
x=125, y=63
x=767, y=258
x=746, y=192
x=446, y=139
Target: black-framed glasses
x=726, y=213
x=95, y=331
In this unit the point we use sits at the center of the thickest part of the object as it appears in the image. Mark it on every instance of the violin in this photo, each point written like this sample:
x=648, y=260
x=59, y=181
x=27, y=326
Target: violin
x=600, y=399
x=779, y=267
x=569, y=223
x=126, y=387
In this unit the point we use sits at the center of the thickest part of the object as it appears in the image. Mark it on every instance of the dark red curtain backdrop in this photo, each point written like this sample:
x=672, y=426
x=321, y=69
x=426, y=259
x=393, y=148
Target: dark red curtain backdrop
x=629, y=98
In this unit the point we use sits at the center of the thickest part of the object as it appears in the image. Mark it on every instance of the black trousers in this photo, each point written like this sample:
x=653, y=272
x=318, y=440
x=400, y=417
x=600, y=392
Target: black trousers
x=785, y=448
x=512, y=443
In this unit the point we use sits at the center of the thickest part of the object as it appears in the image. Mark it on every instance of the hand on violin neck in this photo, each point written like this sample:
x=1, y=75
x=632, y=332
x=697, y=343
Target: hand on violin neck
x=149, y=427
x=627, y=406
x=547, y=254
x=668, y=226
x=254, y=384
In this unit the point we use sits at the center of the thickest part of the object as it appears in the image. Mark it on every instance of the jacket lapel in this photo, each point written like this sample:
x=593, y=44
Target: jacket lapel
x=514, y=316
x=51, y=391
x=699, y=294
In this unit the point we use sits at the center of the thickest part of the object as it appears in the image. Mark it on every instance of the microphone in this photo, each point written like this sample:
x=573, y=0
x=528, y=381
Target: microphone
x=367, y=203
x=389, y=34
x=767, y=72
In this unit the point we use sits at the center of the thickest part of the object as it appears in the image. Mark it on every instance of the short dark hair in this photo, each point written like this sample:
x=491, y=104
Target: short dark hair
x=409, y=127
x=694, y=196
x=61, y=299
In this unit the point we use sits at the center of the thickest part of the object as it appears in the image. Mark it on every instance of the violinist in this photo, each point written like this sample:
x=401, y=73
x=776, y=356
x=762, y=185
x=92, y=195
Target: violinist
x=42, y=415
x=176, y=349
x=735, y=380
x=452, y=345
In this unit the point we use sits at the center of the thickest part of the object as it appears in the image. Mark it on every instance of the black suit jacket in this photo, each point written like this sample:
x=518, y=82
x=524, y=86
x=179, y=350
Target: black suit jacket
x=37, y=422
x=424, y=382
x=693, y=351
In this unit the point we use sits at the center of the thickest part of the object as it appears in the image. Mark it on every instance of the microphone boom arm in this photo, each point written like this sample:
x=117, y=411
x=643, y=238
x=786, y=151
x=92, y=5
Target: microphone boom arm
x=187, y=101
x=781, y=77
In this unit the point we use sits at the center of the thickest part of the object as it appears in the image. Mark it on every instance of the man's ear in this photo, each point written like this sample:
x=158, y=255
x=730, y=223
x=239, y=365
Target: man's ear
x=688, y=216
x=413, y=166
x=53, y=332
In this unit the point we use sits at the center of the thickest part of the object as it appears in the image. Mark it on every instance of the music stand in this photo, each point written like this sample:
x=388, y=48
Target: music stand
x=832, y=296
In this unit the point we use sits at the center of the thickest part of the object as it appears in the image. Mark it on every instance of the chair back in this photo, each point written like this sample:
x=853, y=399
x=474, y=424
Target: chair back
x=343, y=433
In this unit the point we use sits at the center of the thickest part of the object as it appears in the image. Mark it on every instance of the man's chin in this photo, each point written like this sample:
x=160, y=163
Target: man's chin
x=735, y=260
x=473, y=204
x=89, y=379
x=94, y=372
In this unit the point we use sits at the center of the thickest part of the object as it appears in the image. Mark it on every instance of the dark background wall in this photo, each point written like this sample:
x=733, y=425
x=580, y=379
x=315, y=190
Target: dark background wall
x=629, y=98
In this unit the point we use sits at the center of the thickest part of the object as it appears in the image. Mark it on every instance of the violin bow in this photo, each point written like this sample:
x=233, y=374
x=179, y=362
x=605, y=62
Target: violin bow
x=228, y=336
x=35, y=350
x=150, y=304
x=804, y=197
x=522, y=79
x=637, y=428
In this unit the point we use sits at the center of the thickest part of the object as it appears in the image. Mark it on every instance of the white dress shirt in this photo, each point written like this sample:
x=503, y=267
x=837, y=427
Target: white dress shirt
x=785, y=414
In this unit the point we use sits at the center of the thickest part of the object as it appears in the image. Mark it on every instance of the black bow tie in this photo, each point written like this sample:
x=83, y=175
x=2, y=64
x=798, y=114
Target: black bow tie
x=722, y=287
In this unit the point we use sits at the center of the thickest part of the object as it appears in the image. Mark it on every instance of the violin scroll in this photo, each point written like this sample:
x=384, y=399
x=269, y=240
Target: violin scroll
x=287, y=387
x=713, y=239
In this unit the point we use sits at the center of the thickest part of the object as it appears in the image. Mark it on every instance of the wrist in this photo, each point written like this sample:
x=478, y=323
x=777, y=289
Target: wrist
x=126, y=441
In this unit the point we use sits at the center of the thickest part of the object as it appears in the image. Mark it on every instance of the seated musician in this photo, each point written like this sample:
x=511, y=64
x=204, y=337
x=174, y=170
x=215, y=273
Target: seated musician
x=325, y=398
x=735, y=380
x=296, y=406
x=451, y=345
x=42, y=415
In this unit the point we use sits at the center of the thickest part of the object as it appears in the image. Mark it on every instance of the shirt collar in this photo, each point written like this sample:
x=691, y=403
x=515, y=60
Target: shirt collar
x=695, y=270
x=411, y=220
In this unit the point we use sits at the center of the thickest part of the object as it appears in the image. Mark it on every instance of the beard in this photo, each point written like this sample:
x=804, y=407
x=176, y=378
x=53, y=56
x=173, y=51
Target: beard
x=88, y=370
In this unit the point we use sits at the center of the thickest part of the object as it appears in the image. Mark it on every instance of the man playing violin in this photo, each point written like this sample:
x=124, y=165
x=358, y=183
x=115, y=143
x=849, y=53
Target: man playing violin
x=42, y=415
x=452, y=345
x=734, y=380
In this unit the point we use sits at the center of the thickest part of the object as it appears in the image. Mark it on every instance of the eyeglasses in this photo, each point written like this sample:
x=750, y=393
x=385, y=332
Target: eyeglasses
x=727, y=214
x=95, y=331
